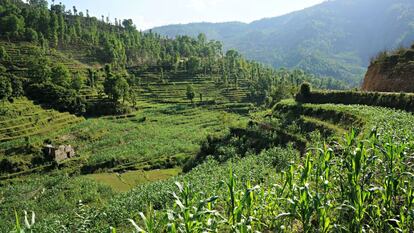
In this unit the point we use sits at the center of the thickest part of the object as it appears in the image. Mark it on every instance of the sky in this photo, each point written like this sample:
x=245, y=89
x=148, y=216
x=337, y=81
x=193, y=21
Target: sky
x=147, y=14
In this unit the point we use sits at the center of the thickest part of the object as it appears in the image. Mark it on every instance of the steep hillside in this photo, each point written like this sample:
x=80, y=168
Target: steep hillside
x=336, y=38
x=391, y=72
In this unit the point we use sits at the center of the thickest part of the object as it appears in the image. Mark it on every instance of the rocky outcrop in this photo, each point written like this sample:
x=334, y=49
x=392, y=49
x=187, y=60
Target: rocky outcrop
x=391, y=73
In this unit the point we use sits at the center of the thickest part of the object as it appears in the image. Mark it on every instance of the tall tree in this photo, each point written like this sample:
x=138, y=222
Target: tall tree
x=5, y=88
x=61, y=75
x=190, y=93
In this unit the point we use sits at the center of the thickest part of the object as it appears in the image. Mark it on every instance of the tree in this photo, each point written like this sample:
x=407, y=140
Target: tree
x=39, y=70
x=116, y=87
x=61, y=75
x=305, y=89
x=133, y=97
x=202, y=38
x=190, y=93
x=77, y=82
x=91, y=78
x=128, y=24
x=17, y=86
x=5, y=88
x=31, y=35
x=4, y=56
x=12, y=25
x=121, y=89
x=193, y=65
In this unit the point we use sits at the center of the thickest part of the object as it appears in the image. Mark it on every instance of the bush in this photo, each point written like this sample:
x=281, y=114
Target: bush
x=107, y=108
x=30, y=35
x=305, y=89
x=5, y=88
x=380, y=57
x=304, y=92
x=4, y=56
x=391, y=100
x=56, y=97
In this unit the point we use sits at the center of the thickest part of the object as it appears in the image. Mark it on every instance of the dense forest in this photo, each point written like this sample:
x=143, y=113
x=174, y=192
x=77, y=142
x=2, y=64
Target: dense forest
x=115, y=52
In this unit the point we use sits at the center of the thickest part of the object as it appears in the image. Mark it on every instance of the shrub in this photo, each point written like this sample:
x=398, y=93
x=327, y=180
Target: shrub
x=389, y=100
x=56, y=97
x=190, y=93
x=30, y=35
x=5, y=88
x=106, y=108
x=4, y=56
x=380, y=57
x=305, y=89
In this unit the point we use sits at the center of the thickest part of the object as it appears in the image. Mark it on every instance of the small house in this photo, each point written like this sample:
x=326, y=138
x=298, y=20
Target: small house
x=60, y=153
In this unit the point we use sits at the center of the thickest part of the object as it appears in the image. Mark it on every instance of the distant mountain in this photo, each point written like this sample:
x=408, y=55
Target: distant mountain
x=336, y=38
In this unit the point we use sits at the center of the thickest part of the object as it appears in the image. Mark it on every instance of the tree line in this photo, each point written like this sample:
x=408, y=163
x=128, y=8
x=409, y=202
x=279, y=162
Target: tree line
x=122, y=47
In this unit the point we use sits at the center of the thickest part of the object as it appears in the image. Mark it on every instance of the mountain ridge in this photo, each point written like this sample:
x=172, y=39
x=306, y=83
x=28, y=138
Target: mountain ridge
x=334, y=38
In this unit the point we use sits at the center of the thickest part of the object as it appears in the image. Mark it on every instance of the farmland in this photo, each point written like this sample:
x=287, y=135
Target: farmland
x=298, y=191
x=107, y=128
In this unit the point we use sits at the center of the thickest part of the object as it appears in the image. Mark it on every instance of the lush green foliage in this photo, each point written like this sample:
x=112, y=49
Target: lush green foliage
x=5, y=88
x=190, y=93
x=159, y=136
x=334, y=39
x=328, y=191
x=357, y=183
x=65, y=44
x=401, y=101
x=240, y=176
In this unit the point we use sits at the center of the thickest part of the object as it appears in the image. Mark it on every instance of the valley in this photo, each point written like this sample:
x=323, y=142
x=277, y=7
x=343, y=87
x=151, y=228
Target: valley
x=105, y=128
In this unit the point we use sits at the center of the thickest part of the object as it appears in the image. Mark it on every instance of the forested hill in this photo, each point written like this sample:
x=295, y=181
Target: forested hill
x=63, y=58
x=336, y=38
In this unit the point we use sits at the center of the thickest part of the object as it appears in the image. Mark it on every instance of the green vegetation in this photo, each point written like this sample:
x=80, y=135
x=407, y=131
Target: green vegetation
x=333, y=39
x=159, y=136
x=354, y=182
x=21, y=122
x=73, y=62
x=393, y=57
x=153, y=157
x=328, y=192
x=126, y=181
x=403, y=101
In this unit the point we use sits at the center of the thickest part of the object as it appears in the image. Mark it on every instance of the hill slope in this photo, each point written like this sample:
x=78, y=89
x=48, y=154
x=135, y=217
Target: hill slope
x=391, y=72
x=335, y=38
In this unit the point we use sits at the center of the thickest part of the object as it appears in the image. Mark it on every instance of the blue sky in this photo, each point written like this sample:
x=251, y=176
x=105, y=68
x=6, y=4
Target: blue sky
x=150, y=13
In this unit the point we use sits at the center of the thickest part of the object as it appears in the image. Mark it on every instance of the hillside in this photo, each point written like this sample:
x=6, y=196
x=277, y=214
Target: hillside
x=336, y=38
x=391, y=72
x=104, y=128
x=249, y=164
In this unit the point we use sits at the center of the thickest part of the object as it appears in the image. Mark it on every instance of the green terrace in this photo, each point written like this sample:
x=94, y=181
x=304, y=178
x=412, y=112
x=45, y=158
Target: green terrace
x=21, y=53
x=23, y=119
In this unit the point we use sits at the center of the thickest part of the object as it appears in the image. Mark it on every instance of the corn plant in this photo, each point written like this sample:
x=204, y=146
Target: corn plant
x=28, y=224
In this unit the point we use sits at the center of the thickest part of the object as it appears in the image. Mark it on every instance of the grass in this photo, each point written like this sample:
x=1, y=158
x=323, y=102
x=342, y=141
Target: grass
x=157, y=136
x=165, y=132
x=356, y=183
x=126, y=181
x=23, y=118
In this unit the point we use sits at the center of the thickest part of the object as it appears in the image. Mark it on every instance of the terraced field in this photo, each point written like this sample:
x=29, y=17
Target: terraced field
x=157, y=136
x=173, y=86
x=337, y=119
x=21, y=53
x=23, y=119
